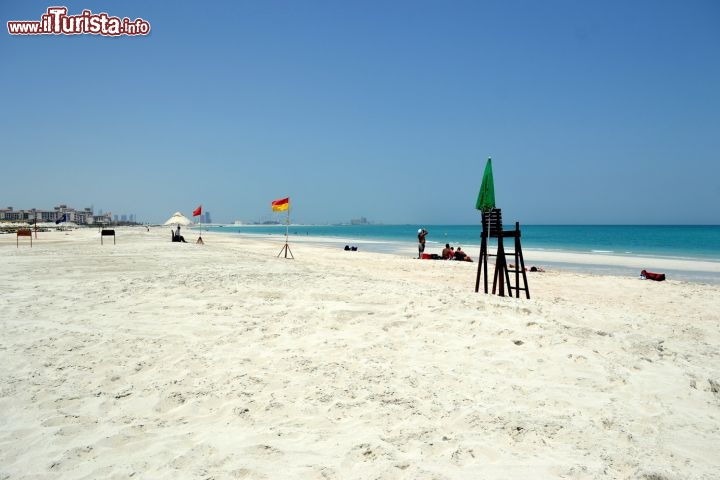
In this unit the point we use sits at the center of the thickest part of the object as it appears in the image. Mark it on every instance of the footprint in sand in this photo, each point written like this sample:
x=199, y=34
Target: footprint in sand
x=170, y=402
x=264, y=450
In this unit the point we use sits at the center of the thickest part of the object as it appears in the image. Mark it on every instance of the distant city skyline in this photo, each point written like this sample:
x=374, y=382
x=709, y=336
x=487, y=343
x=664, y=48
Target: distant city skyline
x=205, y=217
x=62, y=206
x=58, y=214
x=593, y=112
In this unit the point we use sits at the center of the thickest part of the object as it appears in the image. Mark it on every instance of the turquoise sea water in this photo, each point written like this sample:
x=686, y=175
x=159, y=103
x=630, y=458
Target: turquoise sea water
x=687, y=242
x=684, y=241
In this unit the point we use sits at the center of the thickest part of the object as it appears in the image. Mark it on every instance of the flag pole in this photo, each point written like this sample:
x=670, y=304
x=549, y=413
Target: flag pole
x=200, y=240
x=286, y=247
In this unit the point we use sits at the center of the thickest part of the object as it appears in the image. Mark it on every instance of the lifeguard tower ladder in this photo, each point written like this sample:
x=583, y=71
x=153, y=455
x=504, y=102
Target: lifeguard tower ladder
x=492, y=227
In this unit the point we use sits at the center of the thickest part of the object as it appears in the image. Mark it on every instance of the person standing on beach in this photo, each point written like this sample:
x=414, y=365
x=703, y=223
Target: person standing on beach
x=421, y=241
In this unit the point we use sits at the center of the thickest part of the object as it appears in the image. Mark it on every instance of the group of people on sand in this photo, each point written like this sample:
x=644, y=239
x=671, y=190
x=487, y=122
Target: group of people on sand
x=448, y=253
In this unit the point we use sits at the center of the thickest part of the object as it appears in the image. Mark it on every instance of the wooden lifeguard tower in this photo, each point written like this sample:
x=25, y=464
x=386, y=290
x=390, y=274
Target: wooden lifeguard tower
x=492, y=227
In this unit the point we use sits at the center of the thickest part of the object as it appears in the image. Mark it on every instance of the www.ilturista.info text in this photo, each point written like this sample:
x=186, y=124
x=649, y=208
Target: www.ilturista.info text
x=57, y=22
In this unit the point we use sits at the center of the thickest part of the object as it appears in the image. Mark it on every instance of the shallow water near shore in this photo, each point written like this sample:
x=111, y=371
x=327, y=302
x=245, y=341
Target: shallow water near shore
x=692, y=251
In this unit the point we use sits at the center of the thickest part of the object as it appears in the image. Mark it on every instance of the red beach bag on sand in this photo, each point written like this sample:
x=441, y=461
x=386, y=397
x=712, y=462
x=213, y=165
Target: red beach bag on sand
x=653, y=276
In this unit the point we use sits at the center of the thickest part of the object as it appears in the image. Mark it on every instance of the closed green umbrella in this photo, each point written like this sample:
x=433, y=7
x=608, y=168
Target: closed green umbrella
x=486, y=197
x=485, y=203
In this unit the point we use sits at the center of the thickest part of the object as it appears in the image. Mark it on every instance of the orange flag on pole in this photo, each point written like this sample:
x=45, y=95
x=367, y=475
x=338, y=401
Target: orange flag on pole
x=281, y=205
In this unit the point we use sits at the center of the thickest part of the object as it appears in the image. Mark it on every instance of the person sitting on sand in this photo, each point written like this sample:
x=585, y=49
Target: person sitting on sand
x=462, y=256
x=178, y=237
x=531, y=269
x=447, y=252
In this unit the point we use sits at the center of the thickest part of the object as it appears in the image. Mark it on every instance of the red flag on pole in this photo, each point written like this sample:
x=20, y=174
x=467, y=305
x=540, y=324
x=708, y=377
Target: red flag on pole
x=197, y=211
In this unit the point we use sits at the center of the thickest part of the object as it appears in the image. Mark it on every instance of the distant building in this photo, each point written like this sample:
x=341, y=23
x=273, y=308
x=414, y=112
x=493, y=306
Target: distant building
x=81, y=217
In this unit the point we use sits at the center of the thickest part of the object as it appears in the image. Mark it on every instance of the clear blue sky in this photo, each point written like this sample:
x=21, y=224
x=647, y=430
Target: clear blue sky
x=593, y=111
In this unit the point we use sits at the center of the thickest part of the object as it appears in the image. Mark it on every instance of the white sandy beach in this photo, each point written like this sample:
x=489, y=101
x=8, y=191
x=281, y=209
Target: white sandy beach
x=159, y=360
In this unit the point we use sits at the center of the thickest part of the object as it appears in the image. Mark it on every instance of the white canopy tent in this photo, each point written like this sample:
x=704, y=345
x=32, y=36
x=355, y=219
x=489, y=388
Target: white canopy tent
x=178, y=219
